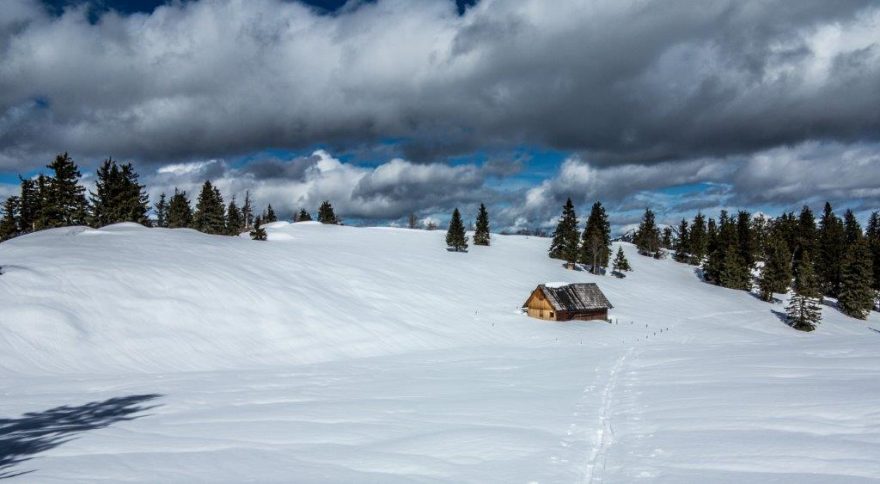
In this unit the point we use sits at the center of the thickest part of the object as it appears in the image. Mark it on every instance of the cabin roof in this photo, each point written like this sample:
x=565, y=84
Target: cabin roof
x=581, y=296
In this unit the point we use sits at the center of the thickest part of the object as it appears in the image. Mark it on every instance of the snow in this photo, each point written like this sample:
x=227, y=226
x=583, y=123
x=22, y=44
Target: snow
x=341, y=354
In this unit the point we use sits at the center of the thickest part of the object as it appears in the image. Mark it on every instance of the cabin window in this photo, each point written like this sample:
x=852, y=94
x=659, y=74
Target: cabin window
x=551, y=314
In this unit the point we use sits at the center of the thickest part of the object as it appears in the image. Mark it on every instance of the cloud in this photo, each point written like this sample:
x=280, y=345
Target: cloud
x=618, y=82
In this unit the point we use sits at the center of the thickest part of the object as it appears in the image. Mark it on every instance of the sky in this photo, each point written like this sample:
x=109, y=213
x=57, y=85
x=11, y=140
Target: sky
x=392, y=107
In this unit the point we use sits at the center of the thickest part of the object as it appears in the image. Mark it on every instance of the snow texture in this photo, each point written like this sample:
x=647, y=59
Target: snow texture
x=339, y=354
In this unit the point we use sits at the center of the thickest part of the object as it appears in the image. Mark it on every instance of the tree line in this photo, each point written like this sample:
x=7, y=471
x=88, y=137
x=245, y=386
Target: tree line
x=58, y=199
x=592, y=247
x=832, y=257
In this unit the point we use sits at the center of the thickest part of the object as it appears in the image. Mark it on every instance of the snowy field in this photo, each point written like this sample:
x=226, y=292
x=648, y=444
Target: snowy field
x=339, y=354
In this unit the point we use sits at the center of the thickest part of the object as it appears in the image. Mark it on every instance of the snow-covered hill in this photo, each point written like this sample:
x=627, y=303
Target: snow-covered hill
x=367, y=354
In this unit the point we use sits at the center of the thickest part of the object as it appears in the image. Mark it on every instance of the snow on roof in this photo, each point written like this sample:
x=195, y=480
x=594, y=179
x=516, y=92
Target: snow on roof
x=555, y=284
x=581, y=296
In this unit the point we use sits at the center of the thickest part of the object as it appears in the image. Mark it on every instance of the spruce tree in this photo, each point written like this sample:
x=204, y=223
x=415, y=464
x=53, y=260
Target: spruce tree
x=118, y=196
x=210, y=216
x=666, y=238
x=851, y=228
x=29, y=206
x=304, y=216
x=856, y=294
x=698, y=240
x=725, y=246
x=682, y=243
x=734, y=273
x=564, y=244
x=247, y=211
x=234, y=219
x=776, y=274
x=804, y=308
x=806, y=237
x=748, y=249
x=872, y=234
x=161, y=209
x=595, y=248
x=270, y=216
x=9, y=223
x=65, y=201
x=481, y=234
x=455, y=236
x=258, y=233
x=647, y=238
x=621, y=264
x=326, y=214
x=830, y=248
x=179, y=211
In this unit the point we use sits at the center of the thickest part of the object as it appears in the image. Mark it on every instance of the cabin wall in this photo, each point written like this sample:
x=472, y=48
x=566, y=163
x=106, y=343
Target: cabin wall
x=538, y=307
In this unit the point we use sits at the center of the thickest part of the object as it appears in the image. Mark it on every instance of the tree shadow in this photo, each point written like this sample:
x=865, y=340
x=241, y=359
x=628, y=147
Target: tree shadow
x=24, y=437
x=782, y=317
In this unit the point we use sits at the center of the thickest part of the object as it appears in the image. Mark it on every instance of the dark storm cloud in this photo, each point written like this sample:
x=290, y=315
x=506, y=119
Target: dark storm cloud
x=619, y=82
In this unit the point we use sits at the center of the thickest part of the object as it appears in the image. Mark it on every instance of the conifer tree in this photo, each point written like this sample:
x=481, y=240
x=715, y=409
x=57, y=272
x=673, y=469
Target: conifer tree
x=46, y=213
x=647, y=238
x=119, y=196
x=804, y=309
x=856, y=294
x=28, y=206
x=711, y=236
x=161, y=209
x=806, y=236
x=725, y=246
x=247, y=211
x=830, y=248
x=760, y=234
x=270, y=216
x=234, y=219
x=455, y=236
x=9, y=223
x=851, y=228
x=776, y=274
x=304, y=216
x=210, y=216
x=326, y=214
x=595, y=248
x=747, y=245
x=698, y=239
x=872, y=234
x=179, y=211
x=65, y=201
x=666, y=238
x=564, y=244
x=682, y=243
x=481, y=233
x=258, y=233
x=621, y=264
x=734, y=272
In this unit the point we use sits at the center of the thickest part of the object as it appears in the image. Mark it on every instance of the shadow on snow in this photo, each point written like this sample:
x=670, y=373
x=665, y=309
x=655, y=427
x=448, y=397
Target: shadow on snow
x=24, y=437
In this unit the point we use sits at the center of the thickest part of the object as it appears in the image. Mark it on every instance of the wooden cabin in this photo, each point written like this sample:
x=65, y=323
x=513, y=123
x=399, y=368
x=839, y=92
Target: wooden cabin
x=565, y=302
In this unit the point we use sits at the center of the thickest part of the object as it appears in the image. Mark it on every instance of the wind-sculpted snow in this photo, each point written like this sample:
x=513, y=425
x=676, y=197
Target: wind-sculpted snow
x=347, y=354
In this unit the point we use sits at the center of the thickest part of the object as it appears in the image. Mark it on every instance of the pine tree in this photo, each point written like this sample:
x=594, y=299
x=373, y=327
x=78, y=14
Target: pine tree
x=830, y=247
x=412, y=222
x=725, y=245
x=258, y=233
x=234, y=219
x=698, y=240
x=326, y=214
x=806, y=236
x=270, y=216
x=9, y=223
x=565, y=238
x=734, y=273
x=760, y=236
x=647, y=238
x=304, y=216
x=856, y=295
x=65, y=201
x=747, y=246
x=161, y=209
x=455, y=236
x=596, y=240
x=179, y=211
x=776, y=274
x=481, y=233
x=247, y=211
x=804, y=309
x=119, y=196
x=620, y=264
x=682, y=243
x=210, y=216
